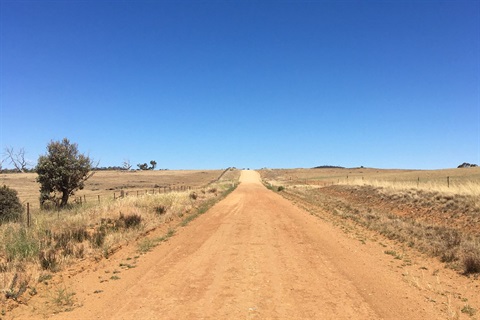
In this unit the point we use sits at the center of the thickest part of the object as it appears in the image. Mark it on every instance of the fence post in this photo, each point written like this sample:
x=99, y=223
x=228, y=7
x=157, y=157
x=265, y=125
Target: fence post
x=448, y=182
x=418, y=181
x=114, y=198
x=28, y=215
x=98, y=198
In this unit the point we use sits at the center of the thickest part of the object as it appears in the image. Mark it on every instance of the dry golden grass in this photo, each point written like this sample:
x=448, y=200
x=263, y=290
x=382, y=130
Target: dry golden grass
x=106, y=183
x=456, y=187
x=465, y=181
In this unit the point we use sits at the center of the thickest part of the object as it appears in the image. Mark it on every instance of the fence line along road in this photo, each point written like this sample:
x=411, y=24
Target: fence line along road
x=80, y=200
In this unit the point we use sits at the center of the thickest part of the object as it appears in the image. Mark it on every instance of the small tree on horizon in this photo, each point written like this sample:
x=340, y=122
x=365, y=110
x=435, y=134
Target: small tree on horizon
x=62, y=171
x=153, y=165
x=126, y=165
x=17, y=159
x=144, y=166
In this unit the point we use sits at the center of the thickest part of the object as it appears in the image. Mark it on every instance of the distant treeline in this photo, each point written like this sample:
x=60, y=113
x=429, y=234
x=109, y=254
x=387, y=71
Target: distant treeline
x=467, y=165
x=16, y=170
x=118, y=168
x=328, y=167
x=114, y=168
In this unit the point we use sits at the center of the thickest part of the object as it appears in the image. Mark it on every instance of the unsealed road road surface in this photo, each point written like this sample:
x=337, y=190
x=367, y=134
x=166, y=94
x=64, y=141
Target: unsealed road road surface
x=256, y=256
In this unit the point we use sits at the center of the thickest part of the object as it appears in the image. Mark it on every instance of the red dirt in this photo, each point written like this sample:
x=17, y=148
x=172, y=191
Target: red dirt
x=255, y=255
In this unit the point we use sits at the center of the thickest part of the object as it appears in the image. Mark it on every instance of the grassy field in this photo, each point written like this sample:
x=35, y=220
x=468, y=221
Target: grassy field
x=454, y=181
x=106, y=183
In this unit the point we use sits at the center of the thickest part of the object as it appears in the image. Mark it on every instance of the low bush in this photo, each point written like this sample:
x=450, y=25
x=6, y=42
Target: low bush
x=98, y=238
x=131, y=221
x=48, y=260
x=160, y=210
x=193, y=196
x=10, y=207
x=471, y=264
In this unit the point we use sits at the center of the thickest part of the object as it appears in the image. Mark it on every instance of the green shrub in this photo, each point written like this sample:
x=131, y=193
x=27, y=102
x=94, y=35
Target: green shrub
x=10, y=207
x=281, y=188
x=19, y=244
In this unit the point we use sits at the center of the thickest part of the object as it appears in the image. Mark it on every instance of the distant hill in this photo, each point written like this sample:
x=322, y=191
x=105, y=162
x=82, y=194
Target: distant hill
x=328, y=167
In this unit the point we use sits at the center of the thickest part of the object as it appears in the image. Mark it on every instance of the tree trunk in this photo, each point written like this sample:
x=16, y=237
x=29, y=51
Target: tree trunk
x=64, y=199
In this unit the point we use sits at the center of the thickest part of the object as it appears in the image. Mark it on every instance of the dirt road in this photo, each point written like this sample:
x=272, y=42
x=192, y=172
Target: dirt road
x=253, y=256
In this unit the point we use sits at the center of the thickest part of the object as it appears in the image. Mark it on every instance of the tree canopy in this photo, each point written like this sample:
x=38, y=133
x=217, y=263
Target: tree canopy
x=62, y=171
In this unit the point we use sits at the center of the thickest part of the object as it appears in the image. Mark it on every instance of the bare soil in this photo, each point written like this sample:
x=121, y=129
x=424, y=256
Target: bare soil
x=255, y=255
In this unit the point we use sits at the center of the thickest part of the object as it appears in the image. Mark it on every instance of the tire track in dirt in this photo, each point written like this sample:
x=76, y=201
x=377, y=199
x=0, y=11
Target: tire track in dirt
x=254, y=255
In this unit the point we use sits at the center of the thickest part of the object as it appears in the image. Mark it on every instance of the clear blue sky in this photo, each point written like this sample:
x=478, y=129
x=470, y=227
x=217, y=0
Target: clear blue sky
x=212, y=84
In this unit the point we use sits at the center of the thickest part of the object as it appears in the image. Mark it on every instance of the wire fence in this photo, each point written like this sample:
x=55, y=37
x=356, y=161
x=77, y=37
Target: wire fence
x=84, y=199
x=469, y=186
x=446, y=181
